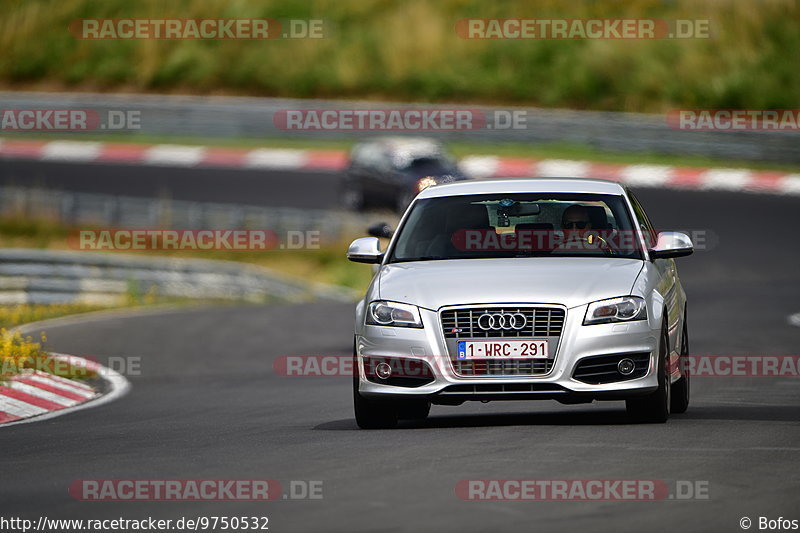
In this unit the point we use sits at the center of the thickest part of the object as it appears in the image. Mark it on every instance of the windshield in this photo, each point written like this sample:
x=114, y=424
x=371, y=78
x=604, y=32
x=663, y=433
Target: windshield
x=424, y=163
x=517, y=225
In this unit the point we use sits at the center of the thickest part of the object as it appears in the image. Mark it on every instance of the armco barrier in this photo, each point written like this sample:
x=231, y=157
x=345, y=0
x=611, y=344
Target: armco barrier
x=105, y=210
x=239, y=117
x=50, y=276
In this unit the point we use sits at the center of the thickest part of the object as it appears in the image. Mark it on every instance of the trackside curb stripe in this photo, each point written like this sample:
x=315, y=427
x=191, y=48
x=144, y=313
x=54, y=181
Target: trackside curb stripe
x=480, y=166
x=38, y=396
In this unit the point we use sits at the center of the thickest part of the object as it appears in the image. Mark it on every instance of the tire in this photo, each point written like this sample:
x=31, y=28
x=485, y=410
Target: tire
x=352, y=197
x=413, y=409
x=680, y=389
x=654, y=408
x=371, y=413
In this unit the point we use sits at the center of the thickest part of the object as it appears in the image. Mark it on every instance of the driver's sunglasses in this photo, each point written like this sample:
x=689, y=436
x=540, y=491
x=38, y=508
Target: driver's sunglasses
x=579, y=224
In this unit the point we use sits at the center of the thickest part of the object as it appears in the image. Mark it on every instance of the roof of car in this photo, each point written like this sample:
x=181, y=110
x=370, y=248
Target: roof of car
x=410, y=144
x=402, y=139
x=516, y=185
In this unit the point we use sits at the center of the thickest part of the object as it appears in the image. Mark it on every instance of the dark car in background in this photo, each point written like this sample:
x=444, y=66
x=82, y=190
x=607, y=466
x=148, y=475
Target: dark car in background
x=390, y=171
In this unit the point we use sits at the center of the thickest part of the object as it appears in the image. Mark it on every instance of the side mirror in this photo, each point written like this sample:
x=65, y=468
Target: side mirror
x=381, y=229
x=365, y=250
x=671, y=244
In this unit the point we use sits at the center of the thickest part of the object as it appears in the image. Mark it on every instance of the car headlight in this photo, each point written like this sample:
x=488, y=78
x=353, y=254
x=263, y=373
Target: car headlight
x=393, y=314
x=624, y=309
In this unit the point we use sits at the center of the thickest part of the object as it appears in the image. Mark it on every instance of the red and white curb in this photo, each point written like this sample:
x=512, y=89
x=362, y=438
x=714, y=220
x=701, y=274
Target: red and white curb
x=34, y=396
x=173, y=155
x=664, y=176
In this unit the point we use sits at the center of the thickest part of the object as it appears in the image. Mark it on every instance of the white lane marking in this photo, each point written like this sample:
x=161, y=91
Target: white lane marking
x=275, y=158
x=39, y=393
x=563, y=168
x=16, y=407
x=61, y=386
x=795, y=319
x=118, y=387
x=479, y=166
x=646, y=175
x=71, y=151
x=174, y=155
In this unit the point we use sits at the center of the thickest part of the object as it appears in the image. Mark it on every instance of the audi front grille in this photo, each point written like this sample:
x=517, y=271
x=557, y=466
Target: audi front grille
x=499, y=323
x=539, y=322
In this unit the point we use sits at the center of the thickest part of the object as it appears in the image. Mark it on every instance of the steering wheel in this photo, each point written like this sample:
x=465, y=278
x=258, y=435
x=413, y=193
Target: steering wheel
x=604, y=246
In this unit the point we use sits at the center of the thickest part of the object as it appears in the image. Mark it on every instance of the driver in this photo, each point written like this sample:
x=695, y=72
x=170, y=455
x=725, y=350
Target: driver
x=575, y=217
x=577, y=226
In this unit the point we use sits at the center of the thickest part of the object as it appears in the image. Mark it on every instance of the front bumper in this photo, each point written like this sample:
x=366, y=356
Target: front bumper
x=577, y=342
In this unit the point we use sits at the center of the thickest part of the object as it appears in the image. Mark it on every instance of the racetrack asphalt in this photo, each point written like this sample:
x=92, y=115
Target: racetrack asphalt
x=262, y=187
x=208, y=405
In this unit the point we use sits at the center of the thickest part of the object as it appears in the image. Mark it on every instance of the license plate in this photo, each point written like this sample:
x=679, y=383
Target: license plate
x=516, y=349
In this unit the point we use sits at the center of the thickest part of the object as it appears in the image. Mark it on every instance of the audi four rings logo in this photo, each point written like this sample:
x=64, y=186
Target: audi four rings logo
x=489, y=321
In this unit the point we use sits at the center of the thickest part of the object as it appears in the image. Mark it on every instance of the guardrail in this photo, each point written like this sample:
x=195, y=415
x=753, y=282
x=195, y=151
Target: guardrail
x=253, y=118
x=48, y=276
x=105, y=210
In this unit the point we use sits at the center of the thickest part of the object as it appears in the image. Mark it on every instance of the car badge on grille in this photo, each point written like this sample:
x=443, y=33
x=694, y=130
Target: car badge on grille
x=489, y=321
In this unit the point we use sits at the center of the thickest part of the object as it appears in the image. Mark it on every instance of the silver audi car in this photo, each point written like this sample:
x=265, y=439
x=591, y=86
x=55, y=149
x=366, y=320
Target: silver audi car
x=519, y=289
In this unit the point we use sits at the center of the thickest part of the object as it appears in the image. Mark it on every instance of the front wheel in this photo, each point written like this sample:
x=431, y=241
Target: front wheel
x=654, y=408
x=352, y=197
x=680, y=390
x=371, y=413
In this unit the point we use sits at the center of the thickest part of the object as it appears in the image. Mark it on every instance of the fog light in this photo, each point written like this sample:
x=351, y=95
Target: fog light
x=383, y=370
x=626, y=366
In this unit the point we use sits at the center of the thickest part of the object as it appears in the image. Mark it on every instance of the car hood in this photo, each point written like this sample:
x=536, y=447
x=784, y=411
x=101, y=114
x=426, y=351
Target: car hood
x=568, y=281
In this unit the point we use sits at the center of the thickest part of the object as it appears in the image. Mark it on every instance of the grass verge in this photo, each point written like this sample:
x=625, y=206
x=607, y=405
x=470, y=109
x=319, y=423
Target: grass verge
x=410, y=51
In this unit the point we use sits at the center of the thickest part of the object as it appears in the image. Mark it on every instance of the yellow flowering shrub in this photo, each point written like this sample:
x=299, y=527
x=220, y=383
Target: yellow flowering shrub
x=18, y=354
